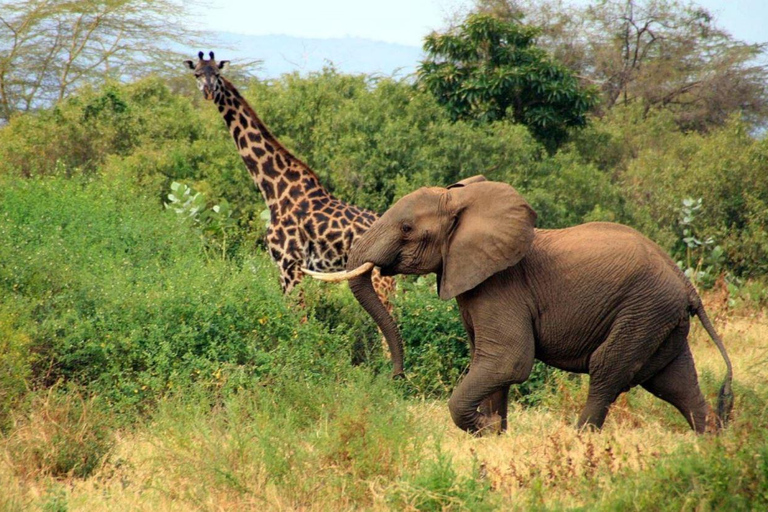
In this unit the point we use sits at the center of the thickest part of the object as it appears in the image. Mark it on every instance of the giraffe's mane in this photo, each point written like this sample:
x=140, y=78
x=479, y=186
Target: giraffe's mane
x=267, y=134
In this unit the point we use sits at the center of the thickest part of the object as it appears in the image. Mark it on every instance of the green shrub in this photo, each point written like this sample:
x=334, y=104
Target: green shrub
x=15, y=365
x=730, y=474
x=373, y=140
x=311, y=442
x=565, y=191
x=437, y=486
x=140, y=130
x=725, y=168
x=120, y=298
x=751, y=294
x=435, y=342
x=335, y=307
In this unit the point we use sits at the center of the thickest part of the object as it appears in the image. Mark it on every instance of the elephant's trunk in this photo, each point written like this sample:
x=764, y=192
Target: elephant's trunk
x=362, y=288
x=364, y=255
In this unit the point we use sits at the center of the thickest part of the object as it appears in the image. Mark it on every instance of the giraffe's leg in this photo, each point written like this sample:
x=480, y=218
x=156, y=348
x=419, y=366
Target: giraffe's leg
x=290, y=276
x=287, y=254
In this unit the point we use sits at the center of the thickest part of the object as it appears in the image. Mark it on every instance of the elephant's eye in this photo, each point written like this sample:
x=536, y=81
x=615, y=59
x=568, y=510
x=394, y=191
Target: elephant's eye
x=406, y=228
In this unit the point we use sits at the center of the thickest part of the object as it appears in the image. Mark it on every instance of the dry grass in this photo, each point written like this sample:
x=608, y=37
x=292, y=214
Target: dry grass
x=541, y=461
x=64, y=435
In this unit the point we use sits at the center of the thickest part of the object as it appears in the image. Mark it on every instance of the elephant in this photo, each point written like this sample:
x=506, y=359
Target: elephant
x=597, y=298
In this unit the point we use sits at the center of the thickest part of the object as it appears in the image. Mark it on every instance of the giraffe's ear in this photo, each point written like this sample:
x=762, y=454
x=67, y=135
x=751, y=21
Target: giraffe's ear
x=190, y=64
x=223, y=64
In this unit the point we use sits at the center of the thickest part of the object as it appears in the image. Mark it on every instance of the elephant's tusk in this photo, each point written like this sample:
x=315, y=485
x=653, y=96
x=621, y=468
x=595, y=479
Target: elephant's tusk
x=335, y=277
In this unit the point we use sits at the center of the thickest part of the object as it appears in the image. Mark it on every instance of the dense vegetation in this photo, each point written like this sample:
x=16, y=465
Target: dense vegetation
x=121, y=304
x=143, y=331
x=373, y=140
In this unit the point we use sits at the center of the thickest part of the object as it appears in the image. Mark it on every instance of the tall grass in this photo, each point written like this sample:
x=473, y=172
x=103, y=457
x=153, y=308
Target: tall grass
x=355, y=442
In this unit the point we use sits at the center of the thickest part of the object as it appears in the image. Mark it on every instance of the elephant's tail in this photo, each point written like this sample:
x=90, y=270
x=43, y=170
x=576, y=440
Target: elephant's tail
x=725, y=396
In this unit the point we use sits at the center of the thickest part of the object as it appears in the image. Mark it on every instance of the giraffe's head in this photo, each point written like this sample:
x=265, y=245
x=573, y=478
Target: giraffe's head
x=207, y=73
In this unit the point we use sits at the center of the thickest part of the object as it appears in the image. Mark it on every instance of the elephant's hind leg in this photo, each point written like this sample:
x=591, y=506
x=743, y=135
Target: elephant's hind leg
x=678, y=384
x=615, y=365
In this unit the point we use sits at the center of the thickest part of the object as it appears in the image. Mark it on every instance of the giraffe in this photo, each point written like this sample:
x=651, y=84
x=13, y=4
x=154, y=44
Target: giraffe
x=308, y=227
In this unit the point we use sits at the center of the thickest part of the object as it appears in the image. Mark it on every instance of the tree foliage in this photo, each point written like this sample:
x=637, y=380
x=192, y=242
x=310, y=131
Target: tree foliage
x=48, y=48
x=488, y=69
x=373, y=140
x=662, y=54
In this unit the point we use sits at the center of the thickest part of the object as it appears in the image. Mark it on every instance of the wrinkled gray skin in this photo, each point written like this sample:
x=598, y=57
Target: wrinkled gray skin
x=598, y=298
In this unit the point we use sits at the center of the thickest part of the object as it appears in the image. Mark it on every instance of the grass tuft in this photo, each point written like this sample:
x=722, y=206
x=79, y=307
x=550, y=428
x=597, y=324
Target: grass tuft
x=62, y=435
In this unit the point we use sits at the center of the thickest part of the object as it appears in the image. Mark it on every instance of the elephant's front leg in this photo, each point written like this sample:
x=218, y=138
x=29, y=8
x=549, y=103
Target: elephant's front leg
x=495, y=366
x=495, y=410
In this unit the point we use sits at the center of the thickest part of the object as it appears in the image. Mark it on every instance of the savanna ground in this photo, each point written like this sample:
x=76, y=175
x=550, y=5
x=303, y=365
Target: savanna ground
x=359, y=444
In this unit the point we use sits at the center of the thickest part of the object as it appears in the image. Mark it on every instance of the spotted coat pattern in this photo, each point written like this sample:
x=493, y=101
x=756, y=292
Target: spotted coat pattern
x=308, y=226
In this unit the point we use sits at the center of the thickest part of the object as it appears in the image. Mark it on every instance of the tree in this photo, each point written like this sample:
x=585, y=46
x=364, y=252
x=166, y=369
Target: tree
x=48, y=48
x=506, y=10
x=488, y=69
x=663, y=54
x=669, y=55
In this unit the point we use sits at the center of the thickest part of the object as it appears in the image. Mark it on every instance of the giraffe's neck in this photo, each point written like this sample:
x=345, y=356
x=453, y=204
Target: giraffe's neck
x=275, y=171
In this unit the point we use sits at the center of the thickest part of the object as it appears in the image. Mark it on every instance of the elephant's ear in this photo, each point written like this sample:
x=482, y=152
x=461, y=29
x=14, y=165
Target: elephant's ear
x=466, y=181
x=493, y=228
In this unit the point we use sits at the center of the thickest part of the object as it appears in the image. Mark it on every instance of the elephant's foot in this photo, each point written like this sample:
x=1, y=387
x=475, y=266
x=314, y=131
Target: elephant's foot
x=488, y=425
x=587, y=427
x=713, y=422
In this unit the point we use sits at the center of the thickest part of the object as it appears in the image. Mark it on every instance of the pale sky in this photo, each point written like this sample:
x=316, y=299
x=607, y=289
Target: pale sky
x=392, y=21
x=407, y=21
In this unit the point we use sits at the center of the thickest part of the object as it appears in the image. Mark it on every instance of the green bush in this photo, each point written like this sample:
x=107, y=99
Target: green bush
x=435, y=342
x=311, y=442
x=15, y=365
x=120, y=298
x=77, y=135
x=730, y=474
x=436, y=486
x=725, y=168
x=335, y=307
x=566, y=191
x=141, y=130
x=373, y=140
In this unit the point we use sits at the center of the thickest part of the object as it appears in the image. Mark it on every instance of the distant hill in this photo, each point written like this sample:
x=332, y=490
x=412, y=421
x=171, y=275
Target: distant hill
x=282, y=54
